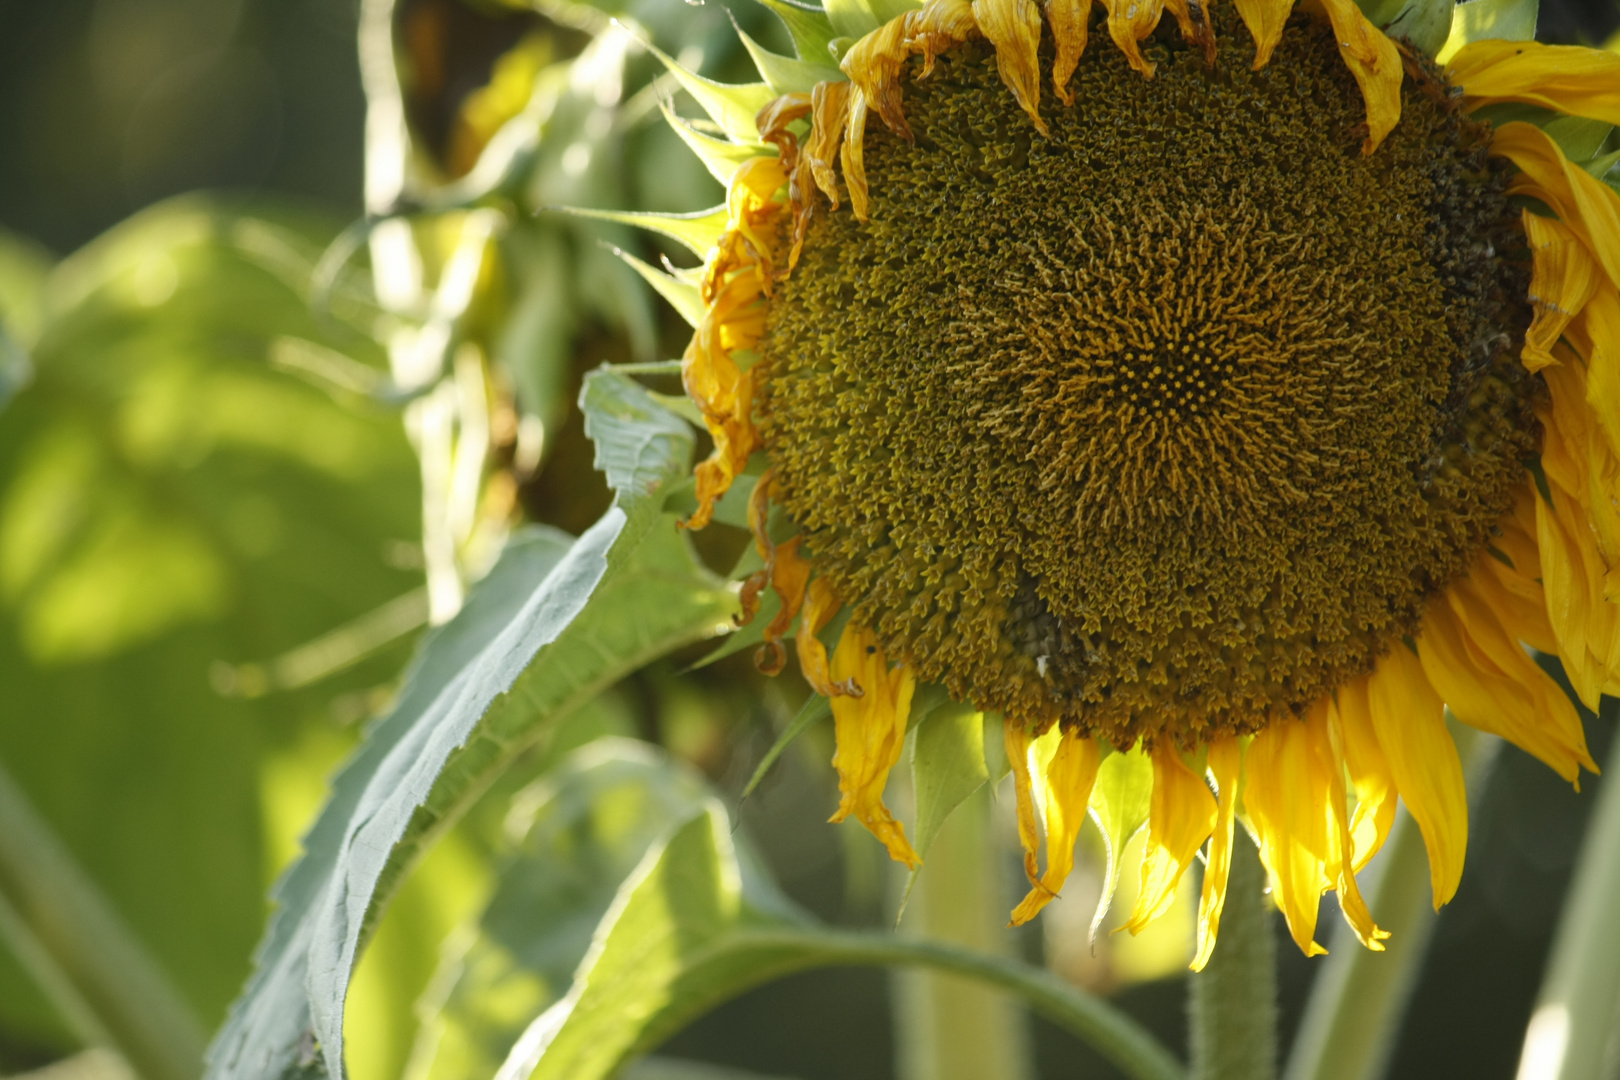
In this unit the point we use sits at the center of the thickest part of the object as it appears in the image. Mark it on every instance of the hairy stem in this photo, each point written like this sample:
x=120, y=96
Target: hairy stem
x=1233, y=1001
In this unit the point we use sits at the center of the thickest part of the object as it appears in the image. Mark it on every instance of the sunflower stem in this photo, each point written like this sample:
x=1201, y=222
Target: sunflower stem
x=1233, y=1001
x=949, y=1027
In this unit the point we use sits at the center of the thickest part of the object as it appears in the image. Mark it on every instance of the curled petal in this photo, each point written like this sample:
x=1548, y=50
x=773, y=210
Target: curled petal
x=1376, y=64
x=1181, y=817
x=829, y=114
x=819, y=605
x=790, y=577
x=870, y=731
x=1070, y=21
x=1409, y=720
x=1265, y=20
x=1564, y=278
x=1582, y=202
x=1019, y=739
x=1194, y=23
x=853, y=156
x=1067, y=782
x=1013, y=27
x=1131, y=21
x=1225, y=766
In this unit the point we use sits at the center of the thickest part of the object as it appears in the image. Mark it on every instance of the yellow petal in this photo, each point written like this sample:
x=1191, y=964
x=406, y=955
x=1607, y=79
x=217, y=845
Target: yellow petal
x=1583, y=202
x=1068, y=780
x=1564, y=277
x=1225, y=766
x=1375, y=62
x=1181, y=817
x=1596, y=332
x=1568, y=79
x=1070, y=21
x=1129, y=22
x=1286, y=800
x=1013, y=27
x=820, y=604
x=1369, y=774
x=1409, y=719
x=1018, y=739
x=1327, y=747
x=1490, y=683
x=853, y=155
x=1265, y=19
x=870, y=731
x=829, y=112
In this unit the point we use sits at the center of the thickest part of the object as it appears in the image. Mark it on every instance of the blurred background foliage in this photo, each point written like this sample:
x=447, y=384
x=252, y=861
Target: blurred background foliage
x=219, y=542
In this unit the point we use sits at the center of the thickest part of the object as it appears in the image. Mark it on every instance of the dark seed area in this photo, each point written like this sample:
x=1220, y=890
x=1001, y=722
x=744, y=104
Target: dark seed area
x=1172, y=421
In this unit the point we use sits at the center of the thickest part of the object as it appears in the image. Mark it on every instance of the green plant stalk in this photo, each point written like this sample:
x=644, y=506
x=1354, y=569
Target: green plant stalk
x=1233, y=1001
x=949, y=1028
x=1352, y=1019
x=1571, y=1032
x=87, y=961
x=1107, y=1030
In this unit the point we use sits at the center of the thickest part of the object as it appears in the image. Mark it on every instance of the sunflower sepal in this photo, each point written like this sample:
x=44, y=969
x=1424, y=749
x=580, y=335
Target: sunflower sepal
x=785, y=74
x=809, y=27
x=1425, y=24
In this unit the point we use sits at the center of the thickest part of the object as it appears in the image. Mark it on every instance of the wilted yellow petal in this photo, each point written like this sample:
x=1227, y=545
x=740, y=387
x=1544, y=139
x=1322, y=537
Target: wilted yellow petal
x=1564, y=277
x=1018, y=739
x=1180, y=820
x=1409, y=719
x=1265, y=19
x=829, y=112
x=870, y=731
x=1013, y=27
x=1226, y=766
x=820, y=604
x=1582, y=202
x=1375, y=62
x=1070, y=21
x=1068, y=780
x=1569, y=79
x=1129, y=22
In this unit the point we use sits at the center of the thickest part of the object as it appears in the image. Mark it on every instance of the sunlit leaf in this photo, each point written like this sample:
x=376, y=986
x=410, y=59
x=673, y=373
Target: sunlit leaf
x=1490, y=20
x=552, y=630
x=1119, y=806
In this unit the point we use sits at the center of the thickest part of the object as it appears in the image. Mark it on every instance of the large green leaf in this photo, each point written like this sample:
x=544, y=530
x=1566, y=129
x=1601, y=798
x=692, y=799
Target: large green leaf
x=690, y=929
x=546, y=632
x=588, y=824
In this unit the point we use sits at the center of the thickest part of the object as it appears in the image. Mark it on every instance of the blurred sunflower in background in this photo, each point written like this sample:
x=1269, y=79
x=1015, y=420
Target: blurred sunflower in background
x=1241, y=411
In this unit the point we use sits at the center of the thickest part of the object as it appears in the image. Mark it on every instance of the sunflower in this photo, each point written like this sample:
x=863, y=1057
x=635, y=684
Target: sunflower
x=1246, y=405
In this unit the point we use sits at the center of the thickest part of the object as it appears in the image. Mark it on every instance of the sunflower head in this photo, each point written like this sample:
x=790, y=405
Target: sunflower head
x=1235, y=413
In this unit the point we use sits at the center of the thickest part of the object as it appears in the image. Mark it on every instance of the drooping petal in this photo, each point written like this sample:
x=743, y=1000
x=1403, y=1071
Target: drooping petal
x=1226, y=766
x=1370, y=775
x=852, y=155
x=1068, y=780
x=1070, y=21
x=1181, y=819
x=1326, y=731
x=1564, y=278
x=1193, y=21
x=870, y=731
x=1265, y=20
x=790, y=577
x=1129, y=23
x=1013, y=27
x=820, y=604
x=1490, y=683
x=1285, y=797
x=829, y=112
x=1582, y=202
x=1376, y=64
x=1018, y=739
x=1409, y=719
x=1569, y=79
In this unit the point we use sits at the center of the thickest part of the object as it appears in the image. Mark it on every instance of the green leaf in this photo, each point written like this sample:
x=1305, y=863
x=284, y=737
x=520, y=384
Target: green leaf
x=785, y=75
x=947, y=765
x=1580, y=139
x=690, y=929
x=811, y=30
x=683, y=296
x=1119, y=806
x=697, y=231
x=550, y=628
x=1490, y=20
x=584, y=828
x=852, y=18
x=814, y=710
